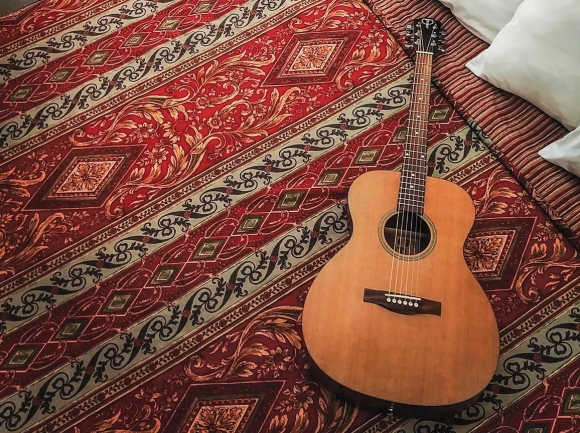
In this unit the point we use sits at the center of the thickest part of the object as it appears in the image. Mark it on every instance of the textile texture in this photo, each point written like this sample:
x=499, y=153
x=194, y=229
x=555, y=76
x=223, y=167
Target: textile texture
x=173, y=176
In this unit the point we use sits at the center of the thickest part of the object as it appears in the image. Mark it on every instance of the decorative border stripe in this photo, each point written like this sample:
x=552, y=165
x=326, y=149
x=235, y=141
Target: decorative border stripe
x=100, y=365
x=226, y=166
x=124, y=79
x=64, y=42
x=194, y=341
x=46, y=31
x=127, y=248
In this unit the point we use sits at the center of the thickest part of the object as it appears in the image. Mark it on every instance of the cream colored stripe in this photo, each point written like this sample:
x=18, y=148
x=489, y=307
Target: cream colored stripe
x=29, y=58
x=45, y=32
x=147, y=68
x=226, y=166
x=173, y=320
x=213, y=195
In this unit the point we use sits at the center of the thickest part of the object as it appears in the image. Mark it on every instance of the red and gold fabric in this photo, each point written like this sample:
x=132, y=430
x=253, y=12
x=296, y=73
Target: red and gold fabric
x=173, y=178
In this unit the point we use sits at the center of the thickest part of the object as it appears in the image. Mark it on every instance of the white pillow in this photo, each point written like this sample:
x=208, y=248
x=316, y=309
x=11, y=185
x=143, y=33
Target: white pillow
x=565, y=152
x=537, y=56
x=484, y=18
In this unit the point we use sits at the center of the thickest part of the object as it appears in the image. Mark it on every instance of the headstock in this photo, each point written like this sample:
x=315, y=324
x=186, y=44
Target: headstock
x=425, y=36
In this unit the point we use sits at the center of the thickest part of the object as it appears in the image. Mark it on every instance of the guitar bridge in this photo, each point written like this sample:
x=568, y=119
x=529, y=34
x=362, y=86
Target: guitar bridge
x=402, y=304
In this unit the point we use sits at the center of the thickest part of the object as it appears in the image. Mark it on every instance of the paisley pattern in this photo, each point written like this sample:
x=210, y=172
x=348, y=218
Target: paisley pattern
x=174, y=174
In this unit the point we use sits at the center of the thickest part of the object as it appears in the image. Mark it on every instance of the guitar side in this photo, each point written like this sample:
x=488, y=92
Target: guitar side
x=420, y=359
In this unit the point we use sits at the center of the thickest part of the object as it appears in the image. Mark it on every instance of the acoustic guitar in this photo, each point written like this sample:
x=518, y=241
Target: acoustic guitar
x=396, y=318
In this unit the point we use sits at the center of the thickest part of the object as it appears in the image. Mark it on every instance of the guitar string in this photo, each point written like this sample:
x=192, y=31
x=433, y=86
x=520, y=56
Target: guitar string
x=401, y=206
x=426, y=62
x=409, y=169
x=398, y=216
x=412, y=150
x=408, y=200
x=425, y=68
x=407, y=209
x=396, y=244
x=414, y=164
x=405, y=214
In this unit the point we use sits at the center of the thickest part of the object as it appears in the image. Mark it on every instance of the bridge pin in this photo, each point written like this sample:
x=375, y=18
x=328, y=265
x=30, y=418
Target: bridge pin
x=404, y=302
x=416, y=304
x=388, y=299
x=399, y=301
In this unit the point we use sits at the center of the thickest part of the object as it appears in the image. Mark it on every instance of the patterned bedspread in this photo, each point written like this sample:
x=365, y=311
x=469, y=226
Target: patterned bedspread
x=173, y=175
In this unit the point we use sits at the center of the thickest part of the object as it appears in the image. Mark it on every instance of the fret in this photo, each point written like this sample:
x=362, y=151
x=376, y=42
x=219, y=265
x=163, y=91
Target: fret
x=421, y=121
x=416, y=181
x=420, y=103
x=409, y=178
x=417, y=186
x=415, y=147
x=419, y=173
x=417, y=192
x=415, y=203
x=422, y=159
x=408, y=152
x=417, y=129
x=410, y=194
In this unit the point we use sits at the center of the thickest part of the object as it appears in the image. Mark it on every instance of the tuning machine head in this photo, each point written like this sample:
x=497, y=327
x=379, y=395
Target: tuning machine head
x=409, y=34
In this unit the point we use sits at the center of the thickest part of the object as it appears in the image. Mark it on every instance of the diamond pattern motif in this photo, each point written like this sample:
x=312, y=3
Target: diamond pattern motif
x=208, y=249
x=85, y=178
x=250, y=224
x=290, y=200
x=164, y=276
x=61, y=75
x=22, y=93
x=71, y=329
x=20, y=358
x=367, y=156
x=98, y=58
x=313, y=57
x=225, y=408
x=119, y=302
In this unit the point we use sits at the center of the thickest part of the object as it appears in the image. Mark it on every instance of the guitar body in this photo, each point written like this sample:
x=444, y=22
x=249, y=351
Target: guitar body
x=424, y=359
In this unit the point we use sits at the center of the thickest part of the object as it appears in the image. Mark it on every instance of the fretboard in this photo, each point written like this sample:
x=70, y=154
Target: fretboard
x=414, y=170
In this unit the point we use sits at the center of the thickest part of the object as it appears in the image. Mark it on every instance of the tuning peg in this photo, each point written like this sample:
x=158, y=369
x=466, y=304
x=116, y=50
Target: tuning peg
x=409, y=46
x=442, y=41
x=442, y=33
x=441, y=50
x=409, y=28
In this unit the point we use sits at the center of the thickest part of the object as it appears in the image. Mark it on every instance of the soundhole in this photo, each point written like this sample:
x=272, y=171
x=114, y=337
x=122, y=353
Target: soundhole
x=407, y=233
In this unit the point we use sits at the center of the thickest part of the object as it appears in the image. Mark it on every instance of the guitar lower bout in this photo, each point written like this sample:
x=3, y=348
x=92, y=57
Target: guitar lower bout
x=403, y=323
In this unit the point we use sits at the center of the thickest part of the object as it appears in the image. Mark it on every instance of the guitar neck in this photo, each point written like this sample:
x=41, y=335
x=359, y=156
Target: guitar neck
x=414, y=169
